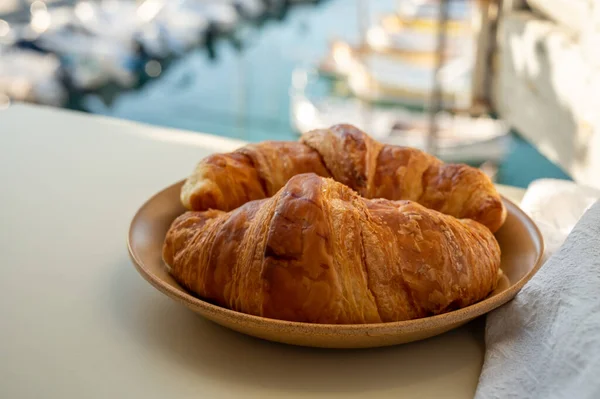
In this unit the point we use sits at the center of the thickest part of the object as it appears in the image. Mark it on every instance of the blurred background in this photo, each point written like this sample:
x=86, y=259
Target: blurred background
x=480, y=82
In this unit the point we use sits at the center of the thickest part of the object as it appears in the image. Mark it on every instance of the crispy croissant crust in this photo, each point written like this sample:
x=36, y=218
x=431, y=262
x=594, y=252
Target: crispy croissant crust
x=350, y=156
x=318, y=252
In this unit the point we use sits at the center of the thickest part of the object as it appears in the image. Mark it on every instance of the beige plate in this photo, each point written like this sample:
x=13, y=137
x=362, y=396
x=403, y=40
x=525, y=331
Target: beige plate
x=519, y=238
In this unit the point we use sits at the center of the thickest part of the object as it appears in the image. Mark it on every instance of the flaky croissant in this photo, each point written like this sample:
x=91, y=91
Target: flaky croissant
x=317, y=252
x=350, y=156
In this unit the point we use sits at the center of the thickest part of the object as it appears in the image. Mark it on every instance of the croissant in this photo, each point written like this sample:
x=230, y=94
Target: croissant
x=350, y=156
x=318, y=252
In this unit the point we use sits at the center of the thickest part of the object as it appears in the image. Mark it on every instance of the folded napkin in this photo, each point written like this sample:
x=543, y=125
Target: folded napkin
x=556, y=206
x=545, y=343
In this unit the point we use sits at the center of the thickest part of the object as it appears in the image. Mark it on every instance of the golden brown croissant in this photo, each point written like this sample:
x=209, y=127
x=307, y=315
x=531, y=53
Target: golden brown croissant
x=350, y=156
x=318, y=252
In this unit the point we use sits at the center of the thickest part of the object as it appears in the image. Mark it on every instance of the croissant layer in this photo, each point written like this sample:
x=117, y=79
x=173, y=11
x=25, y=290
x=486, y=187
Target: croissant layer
x=318, y=252
x=351, y=157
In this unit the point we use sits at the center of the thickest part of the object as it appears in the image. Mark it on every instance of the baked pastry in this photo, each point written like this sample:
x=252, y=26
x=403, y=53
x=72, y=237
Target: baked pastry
x=318, y=252
x=350, y=156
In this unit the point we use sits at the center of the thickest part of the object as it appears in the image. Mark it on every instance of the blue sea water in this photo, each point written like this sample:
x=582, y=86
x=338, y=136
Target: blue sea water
x=244, y=93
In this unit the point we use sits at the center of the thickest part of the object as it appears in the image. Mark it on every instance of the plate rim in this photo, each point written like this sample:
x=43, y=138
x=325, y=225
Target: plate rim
x=414, y=325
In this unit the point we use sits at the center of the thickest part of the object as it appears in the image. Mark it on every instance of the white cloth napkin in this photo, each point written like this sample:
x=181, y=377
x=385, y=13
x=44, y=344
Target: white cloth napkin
x=545, y=343
x=556, y=206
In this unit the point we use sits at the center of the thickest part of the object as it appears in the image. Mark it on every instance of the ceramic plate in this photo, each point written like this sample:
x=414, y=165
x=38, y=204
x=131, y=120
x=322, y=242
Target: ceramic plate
x=519, y=238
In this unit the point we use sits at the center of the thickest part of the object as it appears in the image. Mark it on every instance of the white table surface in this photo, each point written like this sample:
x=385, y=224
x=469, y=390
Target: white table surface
x=77, y=321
